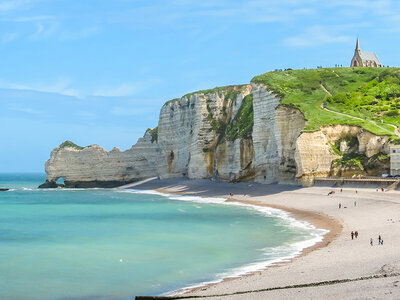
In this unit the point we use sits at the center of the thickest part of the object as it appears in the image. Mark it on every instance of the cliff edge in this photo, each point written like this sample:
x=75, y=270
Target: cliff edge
x=274, y=130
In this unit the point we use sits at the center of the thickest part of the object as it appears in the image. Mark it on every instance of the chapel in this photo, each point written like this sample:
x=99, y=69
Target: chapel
x=364, y=59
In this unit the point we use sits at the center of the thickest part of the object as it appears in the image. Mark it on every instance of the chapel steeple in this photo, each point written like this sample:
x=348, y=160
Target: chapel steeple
x=358, y=46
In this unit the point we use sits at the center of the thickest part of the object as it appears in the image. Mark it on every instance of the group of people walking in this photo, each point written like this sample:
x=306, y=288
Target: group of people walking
x=354, y=234
x=340, y=205
x=380, y=241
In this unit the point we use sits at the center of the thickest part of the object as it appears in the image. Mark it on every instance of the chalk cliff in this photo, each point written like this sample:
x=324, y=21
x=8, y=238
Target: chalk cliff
x=234, y=133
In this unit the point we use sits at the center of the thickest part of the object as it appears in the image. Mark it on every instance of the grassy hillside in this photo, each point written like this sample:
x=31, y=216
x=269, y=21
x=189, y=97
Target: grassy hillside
x=372, y=94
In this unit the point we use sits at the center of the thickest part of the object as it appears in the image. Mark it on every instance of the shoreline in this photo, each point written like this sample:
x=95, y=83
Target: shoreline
x=335, y=268
x=317, y=220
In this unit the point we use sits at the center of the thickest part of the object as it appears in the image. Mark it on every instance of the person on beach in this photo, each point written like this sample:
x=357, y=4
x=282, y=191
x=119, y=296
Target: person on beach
x=352, y=235
x=379, y=240
x=356, y=234
x=355, y=203
x=340, y=205
x=356, y=192
x=341, y=190
x=371, y=241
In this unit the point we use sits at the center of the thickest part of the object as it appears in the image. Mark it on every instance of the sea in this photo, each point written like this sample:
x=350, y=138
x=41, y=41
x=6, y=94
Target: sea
x=117, y=244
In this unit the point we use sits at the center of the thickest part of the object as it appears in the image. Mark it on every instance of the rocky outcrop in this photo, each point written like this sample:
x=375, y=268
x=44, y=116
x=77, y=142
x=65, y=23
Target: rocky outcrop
x=234, y=133
x=93, y=166
x=276, y=129
x=191, y=135
x=189, y=142
x=315, y=150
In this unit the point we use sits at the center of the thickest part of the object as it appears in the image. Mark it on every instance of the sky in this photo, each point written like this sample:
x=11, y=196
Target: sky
x=98, y=71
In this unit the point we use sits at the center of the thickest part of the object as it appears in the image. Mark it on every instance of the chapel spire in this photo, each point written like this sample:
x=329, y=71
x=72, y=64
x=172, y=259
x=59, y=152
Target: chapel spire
x=357, y=46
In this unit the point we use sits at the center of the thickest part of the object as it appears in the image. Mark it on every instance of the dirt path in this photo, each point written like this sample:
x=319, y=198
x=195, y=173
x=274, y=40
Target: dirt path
x=350, y=116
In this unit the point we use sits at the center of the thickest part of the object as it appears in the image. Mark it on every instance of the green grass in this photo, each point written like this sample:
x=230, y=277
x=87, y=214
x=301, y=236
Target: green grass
x=373, y=93
x=69, y=144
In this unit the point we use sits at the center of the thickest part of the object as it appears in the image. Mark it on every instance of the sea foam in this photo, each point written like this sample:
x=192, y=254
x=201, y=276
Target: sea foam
x=280, y=254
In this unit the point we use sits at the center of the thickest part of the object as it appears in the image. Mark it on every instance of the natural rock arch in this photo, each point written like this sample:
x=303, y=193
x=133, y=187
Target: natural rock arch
x=60, y=181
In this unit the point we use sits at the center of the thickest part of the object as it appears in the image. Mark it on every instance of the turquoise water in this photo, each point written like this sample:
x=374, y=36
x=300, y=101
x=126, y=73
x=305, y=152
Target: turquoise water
x=111, y=244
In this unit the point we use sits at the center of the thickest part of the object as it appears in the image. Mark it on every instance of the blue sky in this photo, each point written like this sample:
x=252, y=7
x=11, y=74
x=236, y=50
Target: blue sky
x=99, y=71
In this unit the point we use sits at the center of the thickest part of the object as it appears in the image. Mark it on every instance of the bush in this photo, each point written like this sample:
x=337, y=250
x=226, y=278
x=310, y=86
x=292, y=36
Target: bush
x=69, y=144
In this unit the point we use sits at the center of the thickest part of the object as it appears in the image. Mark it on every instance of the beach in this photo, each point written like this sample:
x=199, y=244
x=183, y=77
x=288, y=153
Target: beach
x=339, y=267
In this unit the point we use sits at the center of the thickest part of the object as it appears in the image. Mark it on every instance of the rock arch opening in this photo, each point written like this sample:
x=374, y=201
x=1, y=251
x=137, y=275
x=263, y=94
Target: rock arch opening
x=60, y=181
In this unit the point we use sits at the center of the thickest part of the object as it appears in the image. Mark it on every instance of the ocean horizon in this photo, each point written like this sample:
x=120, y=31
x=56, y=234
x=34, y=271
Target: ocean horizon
x=115, y=244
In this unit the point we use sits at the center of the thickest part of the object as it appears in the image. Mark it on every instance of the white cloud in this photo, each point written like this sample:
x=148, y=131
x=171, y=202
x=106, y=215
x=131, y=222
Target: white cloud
x=126, y=88
x=44, y=31
x=316, y=36
x=33, y=19
x=80, y=34
x=24, y=109
x=8, y=37
x=10, y=5
x=61, y=86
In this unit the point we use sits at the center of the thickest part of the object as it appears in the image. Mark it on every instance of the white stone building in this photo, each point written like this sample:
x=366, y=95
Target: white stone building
x=394, y=159
x=364, y=59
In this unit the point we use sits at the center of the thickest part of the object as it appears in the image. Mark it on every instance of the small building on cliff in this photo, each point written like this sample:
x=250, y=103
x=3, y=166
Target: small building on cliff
x=394, y=159
x=364, y=59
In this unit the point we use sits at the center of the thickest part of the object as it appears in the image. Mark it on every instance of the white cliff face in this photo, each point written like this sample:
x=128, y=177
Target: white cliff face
x=371, y=144
x=314, y=153
x=313, y=156
x=188, y=132
x=191, y=141
x=275, y=131
x=94, y=164
x=179, y=122
x=235, y=160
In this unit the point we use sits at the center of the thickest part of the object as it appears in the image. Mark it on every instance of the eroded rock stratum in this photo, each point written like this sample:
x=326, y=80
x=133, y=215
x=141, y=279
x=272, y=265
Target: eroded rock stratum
x=234, y=133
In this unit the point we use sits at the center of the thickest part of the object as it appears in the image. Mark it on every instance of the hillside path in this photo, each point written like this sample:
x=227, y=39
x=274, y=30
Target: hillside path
x=350, y=116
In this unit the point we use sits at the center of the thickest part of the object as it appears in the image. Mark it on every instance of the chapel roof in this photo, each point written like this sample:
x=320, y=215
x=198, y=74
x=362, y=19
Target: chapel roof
x=369, y=56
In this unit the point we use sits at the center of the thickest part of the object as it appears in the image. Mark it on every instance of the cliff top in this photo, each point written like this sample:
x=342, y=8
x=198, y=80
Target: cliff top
x=366, y=97
x=230, y=91
x=69, y=144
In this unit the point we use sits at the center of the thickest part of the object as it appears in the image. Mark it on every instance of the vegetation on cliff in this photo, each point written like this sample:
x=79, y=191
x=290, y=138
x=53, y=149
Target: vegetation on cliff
x=360, y=162
x=229, y=92
x=372, y=94
x=69, y=144
x=242, y=124
x=154, y=134
x=350, y=140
